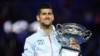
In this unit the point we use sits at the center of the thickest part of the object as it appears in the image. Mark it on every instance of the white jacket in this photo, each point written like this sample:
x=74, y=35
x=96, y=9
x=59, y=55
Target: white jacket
x=41, y=44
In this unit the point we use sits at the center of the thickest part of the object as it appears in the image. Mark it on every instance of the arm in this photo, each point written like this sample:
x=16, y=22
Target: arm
x=28, y=49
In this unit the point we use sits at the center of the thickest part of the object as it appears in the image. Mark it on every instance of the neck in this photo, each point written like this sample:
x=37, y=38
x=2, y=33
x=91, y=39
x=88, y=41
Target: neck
x=46, y=29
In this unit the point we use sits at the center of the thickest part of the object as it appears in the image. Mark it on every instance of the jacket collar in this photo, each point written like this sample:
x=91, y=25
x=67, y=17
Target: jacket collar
x=39, y=30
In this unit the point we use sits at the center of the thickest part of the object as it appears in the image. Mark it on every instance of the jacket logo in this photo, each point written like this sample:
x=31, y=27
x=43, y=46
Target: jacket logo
x=40, y=42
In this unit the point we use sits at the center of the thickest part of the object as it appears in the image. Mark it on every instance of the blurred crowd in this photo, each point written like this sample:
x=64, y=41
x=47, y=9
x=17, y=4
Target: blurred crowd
x=18, y=21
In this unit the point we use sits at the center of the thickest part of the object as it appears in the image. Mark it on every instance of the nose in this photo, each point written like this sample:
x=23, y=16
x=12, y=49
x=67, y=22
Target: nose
x=47, y=15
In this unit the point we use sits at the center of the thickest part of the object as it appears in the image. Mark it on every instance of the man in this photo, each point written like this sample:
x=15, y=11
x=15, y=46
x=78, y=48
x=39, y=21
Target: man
x=44, y=42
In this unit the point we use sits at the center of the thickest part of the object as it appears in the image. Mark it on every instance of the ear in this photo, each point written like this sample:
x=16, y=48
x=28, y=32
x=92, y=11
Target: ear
x=37, y=17
x=53, y=18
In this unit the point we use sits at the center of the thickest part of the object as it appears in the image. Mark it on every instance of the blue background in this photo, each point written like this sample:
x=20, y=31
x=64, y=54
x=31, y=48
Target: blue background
x=65, y=11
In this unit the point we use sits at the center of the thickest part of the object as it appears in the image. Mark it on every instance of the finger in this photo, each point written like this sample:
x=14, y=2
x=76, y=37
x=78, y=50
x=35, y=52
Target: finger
x=73, y=41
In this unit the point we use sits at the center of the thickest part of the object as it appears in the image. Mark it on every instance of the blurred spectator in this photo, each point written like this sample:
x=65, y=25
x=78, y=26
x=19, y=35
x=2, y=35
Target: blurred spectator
x=7, y=27
x=34, y=26
x=19, y=26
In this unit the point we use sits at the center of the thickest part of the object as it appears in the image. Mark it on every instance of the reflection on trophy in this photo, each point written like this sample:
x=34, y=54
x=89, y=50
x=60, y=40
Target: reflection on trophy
x=68, y=31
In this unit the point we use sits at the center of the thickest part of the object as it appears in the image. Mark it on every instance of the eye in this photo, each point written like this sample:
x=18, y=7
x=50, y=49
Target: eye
x=43, y=13
x=49, y=13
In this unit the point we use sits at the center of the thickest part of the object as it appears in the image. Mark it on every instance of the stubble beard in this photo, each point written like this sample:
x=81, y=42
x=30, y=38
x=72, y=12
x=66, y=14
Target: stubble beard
x=46, y=25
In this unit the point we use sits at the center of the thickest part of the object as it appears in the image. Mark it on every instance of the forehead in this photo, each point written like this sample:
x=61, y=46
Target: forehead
x=45, y=10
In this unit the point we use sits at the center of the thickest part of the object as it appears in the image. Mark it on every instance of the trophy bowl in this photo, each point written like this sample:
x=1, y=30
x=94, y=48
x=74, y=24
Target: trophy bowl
x=67, y=31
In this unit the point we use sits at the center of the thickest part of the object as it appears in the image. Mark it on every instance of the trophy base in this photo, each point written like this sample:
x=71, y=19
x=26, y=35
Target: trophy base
x=68, y=52
x=72, y=49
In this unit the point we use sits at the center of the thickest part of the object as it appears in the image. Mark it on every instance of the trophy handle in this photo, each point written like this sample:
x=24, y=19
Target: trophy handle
x=88, y=35
x=59, y=28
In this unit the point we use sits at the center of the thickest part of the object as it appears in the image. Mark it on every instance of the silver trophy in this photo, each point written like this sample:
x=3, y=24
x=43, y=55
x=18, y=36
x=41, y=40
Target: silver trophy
x=67, y=31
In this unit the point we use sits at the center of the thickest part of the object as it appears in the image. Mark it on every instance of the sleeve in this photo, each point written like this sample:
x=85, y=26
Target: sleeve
x=28, y=49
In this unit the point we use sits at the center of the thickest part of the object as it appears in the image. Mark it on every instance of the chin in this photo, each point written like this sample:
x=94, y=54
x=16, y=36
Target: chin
x=46, y=25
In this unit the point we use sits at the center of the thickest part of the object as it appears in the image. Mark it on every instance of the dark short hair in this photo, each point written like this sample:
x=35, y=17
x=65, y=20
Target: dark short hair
x=43, y=6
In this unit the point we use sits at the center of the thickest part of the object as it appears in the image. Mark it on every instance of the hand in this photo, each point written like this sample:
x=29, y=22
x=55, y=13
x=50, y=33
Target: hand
x=74, y=43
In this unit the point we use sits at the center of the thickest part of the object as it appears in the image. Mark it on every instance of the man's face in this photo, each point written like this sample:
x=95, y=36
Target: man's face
x=45, y=17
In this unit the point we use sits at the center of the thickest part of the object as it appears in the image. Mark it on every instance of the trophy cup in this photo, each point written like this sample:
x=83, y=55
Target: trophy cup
x=67, y=31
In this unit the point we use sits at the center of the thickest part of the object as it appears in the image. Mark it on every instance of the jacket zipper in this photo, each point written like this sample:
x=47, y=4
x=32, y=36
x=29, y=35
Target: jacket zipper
x=51, y=45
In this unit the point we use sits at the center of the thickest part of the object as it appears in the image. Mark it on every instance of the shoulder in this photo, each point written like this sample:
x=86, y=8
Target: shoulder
x=32, y=38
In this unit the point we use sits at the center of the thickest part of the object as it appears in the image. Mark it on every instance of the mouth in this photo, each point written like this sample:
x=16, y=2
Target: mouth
x=47, y=19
